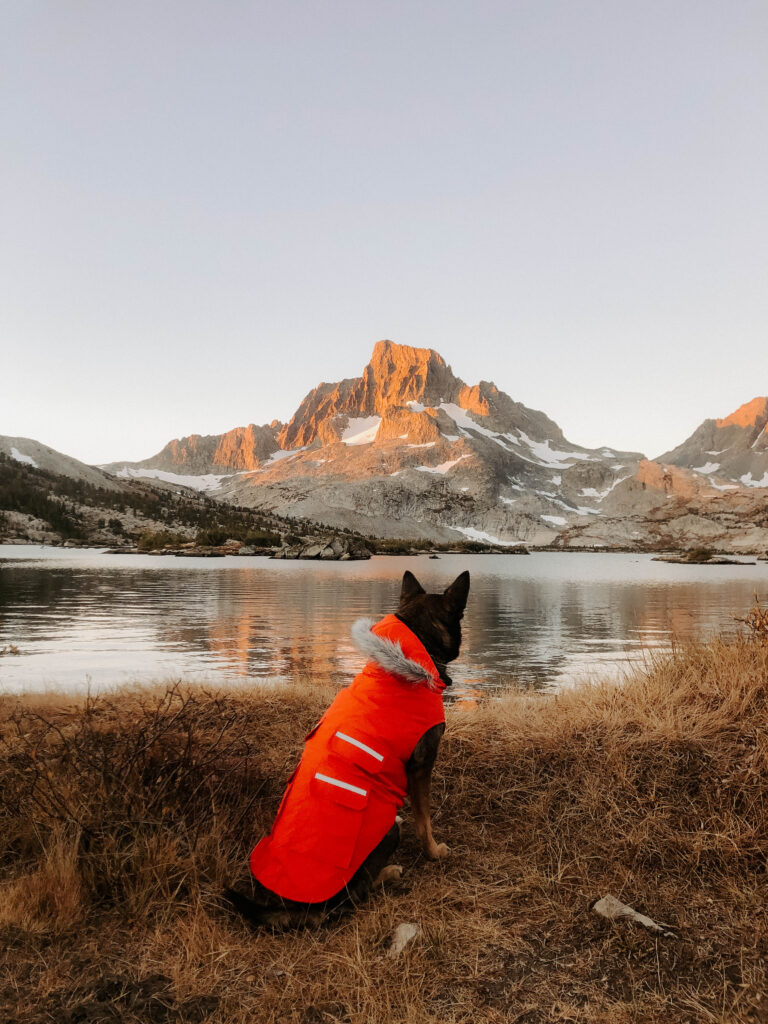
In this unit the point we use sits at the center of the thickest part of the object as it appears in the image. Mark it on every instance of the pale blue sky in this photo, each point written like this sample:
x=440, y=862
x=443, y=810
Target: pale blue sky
x=210, y=207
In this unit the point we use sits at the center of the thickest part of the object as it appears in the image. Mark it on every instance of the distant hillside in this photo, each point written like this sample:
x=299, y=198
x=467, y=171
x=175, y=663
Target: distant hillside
x=26, y=451
x=40, y=506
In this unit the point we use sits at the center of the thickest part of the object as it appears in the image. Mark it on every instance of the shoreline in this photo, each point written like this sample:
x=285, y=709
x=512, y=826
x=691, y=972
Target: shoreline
x=666, y=554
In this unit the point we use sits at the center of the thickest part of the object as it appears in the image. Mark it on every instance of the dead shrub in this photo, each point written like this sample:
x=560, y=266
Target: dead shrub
x=756, y=621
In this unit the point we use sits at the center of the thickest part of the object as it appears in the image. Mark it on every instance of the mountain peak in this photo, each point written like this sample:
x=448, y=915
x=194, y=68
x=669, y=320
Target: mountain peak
x=734, y=448
x=751, y=414
x=398, y=374
x=387, y=350
x=394, y=376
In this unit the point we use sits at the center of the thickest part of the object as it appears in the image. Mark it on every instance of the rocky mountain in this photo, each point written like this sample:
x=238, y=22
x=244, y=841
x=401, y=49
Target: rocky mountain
x=408, y=450
x=243, y=448
x=732, y=449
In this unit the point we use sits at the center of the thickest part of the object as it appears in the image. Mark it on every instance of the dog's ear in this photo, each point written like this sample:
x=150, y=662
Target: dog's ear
x=410, y=588
x=456, y=595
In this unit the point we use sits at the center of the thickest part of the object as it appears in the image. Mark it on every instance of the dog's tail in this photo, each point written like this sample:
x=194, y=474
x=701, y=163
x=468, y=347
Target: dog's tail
x=257, y=913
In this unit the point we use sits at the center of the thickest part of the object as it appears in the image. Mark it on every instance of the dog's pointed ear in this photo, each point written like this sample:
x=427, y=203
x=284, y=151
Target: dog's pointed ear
x=456, y=595
x=410, y=588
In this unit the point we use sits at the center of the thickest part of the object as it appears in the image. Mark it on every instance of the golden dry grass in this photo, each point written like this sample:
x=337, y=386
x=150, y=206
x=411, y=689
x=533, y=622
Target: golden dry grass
x=121, y=818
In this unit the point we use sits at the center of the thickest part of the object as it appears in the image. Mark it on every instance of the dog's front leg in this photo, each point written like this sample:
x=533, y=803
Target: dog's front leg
x=419, y=773
x=418, y=790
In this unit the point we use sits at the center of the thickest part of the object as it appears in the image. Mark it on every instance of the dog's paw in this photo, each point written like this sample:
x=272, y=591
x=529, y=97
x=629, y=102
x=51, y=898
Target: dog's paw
x=391, y=873
x=440, y=852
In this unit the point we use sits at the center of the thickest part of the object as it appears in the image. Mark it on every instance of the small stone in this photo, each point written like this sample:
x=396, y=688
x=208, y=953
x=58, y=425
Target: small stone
x=404, y=933
x=613, y=909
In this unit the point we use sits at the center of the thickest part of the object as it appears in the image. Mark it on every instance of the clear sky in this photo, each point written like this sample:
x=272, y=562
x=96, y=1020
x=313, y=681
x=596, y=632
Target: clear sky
x=210, y=206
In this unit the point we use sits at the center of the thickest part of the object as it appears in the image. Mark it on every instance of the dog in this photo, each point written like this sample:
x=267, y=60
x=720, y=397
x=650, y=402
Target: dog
x=337, y=825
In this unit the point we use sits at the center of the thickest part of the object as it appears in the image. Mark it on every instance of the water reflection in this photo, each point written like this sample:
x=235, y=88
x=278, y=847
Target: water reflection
x=91, y=619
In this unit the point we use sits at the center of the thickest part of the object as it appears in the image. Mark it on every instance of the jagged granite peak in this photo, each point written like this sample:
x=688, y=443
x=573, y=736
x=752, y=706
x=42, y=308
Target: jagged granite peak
x=733, y=448
x=398, y=378
x=395, y=376
x=399, y=374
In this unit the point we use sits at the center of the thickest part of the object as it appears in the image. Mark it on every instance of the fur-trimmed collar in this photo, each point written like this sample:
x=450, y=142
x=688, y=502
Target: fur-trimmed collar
x=389, y=654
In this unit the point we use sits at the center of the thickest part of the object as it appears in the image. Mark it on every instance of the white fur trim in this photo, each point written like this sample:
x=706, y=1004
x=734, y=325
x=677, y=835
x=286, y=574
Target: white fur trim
x=388, y=654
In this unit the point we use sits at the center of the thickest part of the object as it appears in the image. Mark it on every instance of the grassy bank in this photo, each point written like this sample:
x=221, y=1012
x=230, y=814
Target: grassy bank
x=121, y=818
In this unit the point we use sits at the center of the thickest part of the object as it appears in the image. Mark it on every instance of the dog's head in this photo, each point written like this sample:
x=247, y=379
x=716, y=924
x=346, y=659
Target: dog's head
x=435, y=618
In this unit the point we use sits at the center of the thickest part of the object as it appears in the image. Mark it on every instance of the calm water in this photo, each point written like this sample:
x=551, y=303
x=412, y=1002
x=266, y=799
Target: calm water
x=84, y=618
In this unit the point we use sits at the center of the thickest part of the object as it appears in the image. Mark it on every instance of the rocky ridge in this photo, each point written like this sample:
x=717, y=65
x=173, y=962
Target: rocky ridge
x=733, y=449
x=243, y=448
x=408, y=450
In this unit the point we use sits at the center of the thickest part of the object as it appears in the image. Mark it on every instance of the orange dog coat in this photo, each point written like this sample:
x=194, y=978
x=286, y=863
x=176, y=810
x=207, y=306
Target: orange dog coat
x=344, y=795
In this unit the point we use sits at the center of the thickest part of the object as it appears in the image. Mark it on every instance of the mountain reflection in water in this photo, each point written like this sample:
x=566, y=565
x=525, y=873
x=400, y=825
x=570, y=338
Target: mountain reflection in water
x=88, y=619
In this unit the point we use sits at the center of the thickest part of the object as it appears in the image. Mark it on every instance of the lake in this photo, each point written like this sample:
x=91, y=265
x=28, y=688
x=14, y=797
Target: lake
x=87, y=619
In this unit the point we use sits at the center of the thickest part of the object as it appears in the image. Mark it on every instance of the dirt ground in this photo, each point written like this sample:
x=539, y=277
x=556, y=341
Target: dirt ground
x=121, y=818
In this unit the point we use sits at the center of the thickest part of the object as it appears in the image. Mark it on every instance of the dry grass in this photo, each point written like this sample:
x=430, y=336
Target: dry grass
x=121, y=818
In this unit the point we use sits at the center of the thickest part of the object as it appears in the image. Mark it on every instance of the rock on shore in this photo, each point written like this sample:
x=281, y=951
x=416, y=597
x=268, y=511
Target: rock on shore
x=337, y=549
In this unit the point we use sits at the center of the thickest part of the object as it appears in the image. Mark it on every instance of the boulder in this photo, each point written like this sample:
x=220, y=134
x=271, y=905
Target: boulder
x=335, y=549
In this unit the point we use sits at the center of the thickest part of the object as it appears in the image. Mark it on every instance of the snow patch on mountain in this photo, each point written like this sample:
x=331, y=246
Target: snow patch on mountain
x=20, y=457
x=472, y=534
x=279, y=455
x=443, y=467
x=361, y=430
x=723, y=487
x=208, y=482
x=465, y=424
x=748, y=480
x=551, y=457
x=707, y=468
x=590, y=492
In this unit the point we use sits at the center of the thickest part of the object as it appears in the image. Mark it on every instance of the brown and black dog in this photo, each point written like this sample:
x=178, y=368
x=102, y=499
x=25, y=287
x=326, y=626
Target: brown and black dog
x=435, y=619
